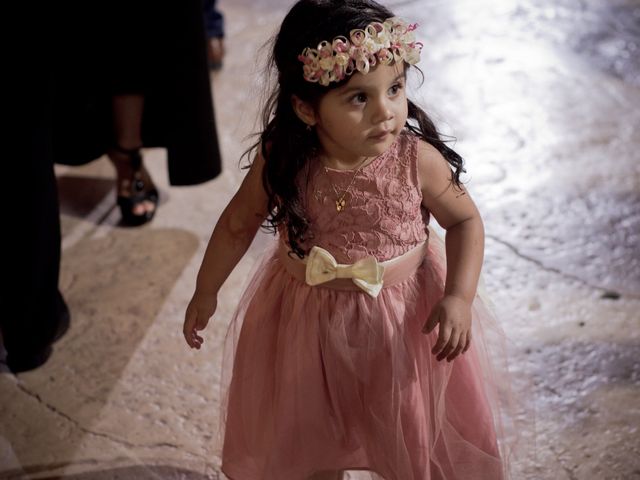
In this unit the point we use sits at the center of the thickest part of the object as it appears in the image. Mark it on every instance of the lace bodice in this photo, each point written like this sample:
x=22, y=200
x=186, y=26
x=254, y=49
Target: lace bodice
x=383, y=216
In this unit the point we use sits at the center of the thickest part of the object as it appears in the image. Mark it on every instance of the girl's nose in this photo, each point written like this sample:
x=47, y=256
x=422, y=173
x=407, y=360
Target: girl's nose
x=382, y=112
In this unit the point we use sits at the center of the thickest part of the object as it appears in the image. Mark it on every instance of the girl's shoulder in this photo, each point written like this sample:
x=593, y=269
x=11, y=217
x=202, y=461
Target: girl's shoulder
x=417, y=148
x=423, y=159
x=414, y=149
x=407, y=141
x=406, y=151
x=403, y=150
x=398, y=164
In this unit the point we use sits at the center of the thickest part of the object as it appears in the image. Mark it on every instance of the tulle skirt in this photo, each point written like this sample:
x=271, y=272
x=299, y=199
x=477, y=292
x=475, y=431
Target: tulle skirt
x=320, y=379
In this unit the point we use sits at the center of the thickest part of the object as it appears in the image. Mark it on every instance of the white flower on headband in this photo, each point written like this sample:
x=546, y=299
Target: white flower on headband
x=385, y=43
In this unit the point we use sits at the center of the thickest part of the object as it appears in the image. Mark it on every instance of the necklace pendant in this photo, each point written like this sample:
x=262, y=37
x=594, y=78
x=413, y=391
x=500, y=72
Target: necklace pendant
x=340, y=204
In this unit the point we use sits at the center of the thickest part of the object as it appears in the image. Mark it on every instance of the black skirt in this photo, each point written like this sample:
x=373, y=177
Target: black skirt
x=153, y=48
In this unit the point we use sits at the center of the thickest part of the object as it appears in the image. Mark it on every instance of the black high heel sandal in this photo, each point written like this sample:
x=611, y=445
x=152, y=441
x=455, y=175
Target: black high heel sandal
x=139, y=191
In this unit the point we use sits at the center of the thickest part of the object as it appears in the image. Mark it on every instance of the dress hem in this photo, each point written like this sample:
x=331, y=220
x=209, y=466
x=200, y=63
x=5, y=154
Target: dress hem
x=224, y=469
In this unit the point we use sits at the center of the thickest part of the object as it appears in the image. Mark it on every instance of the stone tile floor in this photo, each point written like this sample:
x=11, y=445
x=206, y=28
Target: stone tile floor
x=543, y=100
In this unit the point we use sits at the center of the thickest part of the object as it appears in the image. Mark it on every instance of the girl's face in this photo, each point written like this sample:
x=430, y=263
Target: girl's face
x=363, y=117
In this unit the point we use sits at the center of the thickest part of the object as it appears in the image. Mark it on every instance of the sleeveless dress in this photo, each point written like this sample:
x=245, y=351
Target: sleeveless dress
x=316, y=378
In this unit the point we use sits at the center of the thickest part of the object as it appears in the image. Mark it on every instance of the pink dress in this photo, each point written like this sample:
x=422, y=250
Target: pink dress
x=316, y=378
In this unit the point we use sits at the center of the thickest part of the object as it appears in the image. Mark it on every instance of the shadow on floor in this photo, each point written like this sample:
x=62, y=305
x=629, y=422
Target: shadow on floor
x=115, y=286
x=79, y=196
x=139, y=472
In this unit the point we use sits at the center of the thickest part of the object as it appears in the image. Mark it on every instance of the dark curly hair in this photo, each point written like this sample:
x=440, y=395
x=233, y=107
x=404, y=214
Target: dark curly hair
x=285, y=143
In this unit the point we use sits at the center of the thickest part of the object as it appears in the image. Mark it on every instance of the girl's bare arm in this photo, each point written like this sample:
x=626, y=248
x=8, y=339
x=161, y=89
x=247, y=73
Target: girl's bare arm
x=235, y=230
x=231, y=237
x=454, y=210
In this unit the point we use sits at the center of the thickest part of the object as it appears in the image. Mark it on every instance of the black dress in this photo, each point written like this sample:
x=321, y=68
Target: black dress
x=33, y=313
x=154, y=48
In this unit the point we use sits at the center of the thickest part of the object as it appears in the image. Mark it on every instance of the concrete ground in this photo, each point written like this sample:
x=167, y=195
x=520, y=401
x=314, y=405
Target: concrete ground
x=543, y=97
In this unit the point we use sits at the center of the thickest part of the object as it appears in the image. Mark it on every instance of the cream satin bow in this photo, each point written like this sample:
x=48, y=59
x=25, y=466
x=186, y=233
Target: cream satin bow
x=365, y=273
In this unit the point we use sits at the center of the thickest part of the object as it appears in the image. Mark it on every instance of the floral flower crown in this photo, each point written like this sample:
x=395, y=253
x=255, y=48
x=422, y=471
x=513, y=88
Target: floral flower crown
x=384, y=43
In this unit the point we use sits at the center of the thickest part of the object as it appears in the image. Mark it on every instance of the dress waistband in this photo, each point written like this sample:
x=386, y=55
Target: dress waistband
x=395, y=270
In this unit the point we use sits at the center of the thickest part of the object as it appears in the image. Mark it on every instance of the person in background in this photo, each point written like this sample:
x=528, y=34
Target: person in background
x=214, y=25
x=134, y=75
x=33, y=312
x=116, y=77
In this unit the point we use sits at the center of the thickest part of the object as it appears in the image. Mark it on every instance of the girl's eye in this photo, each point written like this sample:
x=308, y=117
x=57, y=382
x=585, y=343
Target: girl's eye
x=359, y=98
x=395, y=88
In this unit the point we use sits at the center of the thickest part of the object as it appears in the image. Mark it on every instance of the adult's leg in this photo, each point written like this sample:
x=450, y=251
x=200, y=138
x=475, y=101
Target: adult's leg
x=33, y=314
x=127, y=119
x=127, y=125
x=130, y=60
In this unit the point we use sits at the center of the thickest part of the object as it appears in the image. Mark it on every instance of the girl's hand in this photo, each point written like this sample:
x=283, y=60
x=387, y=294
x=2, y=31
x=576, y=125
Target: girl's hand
x=200, y=309
x=454, y=335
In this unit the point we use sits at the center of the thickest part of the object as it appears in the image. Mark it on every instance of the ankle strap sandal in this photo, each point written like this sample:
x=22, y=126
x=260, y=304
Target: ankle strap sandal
x=139, y=190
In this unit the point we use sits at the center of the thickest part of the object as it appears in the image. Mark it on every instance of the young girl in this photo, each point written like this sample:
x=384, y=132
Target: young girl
x=356, y=345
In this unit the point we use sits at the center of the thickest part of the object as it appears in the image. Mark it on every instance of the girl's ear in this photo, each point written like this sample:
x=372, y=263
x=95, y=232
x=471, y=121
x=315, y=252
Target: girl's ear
x=304, y=110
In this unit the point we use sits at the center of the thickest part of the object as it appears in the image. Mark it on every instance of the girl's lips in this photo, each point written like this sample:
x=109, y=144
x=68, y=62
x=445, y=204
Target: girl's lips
x=381, y=135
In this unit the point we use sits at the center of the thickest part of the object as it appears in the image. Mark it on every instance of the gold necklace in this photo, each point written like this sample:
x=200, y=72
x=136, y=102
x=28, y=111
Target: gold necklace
x=341, y=203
